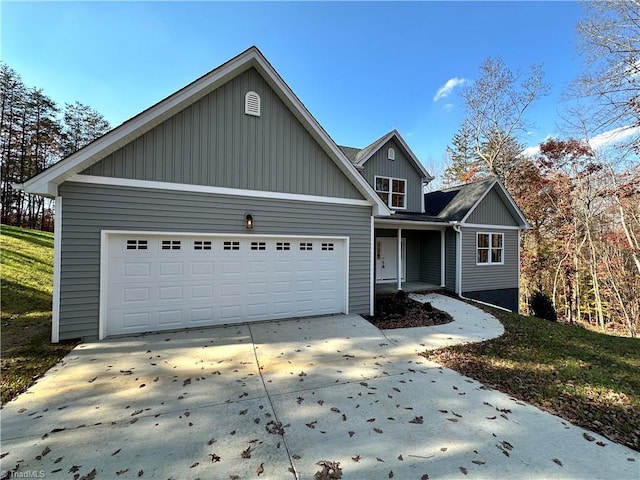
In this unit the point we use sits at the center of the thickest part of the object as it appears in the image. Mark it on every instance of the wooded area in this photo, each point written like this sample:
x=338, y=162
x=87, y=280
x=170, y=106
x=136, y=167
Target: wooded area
x=34, y=134
x=581, y=196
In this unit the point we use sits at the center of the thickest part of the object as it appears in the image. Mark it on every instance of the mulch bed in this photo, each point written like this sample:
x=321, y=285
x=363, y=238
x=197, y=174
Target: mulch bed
x=397, y=310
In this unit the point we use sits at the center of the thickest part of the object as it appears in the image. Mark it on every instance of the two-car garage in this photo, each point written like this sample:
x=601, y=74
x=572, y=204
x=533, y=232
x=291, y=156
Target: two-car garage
x=164, y=281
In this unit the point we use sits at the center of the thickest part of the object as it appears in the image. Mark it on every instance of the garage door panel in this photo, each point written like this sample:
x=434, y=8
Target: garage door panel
x=157, y=282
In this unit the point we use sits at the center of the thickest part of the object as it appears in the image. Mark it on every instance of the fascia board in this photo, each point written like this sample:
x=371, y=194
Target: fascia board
x=412, y=157
x=505, y=196
x=320, y=135
x=140, y=124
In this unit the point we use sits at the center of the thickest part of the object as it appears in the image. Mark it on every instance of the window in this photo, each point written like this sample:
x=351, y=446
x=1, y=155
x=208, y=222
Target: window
x=202, y=245
x=231, y=246
x=170, y=245
x=327, y=246
x=306, y=246
x=490, y=248
x=252, y=104
x=283, y=246
x=393, y=191
x=258, y=246
x=136, y=244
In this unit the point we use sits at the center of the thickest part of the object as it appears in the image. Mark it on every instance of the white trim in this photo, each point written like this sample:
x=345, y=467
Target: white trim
x=443, y=270
x=422, y=187
x=153, y=116
x=390, y=192
x=185, y=187
x=372, y=268
x=412, y=157
x=458, y=286
x=493, y=227
x=399, y=269
x=104, y=257
x=489, y=249
x=57, y=269
x=506, y=195
x=410, y=224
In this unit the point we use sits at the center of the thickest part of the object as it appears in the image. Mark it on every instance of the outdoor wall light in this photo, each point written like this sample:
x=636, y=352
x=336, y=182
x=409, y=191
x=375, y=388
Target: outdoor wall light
x=249, y=221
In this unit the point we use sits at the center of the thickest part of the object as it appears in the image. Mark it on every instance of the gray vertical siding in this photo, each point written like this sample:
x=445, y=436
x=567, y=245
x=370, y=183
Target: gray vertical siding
x=492, y=211
x=212, y=142
x=413, y=256
x=401, y=167
x=430, y=246
x=88, y=209
x=489, y=277
x=450, y=259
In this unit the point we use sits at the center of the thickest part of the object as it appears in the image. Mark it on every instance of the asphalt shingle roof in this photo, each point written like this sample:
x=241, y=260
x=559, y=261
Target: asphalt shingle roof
x=454, y=203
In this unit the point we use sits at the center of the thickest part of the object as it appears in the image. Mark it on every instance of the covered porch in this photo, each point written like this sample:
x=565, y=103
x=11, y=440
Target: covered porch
x=409, y=253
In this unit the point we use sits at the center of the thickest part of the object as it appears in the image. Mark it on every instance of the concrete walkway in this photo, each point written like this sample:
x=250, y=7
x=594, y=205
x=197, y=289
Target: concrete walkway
x=272, y=400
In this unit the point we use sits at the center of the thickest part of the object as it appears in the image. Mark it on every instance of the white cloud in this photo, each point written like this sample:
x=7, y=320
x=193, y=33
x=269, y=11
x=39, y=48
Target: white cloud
x=613, y=136
x=531, y=151
x=448, y=107
x=446, y=89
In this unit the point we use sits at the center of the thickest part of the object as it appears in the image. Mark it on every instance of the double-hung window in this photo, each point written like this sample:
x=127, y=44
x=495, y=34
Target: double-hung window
x=490, y=249
x=393, y=191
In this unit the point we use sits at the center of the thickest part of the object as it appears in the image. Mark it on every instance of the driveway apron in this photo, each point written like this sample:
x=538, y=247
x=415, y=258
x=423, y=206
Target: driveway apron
x=289, y=399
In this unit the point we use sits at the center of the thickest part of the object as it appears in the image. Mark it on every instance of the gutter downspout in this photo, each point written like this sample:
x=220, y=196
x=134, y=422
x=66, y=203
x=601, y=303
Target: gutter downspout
x=457, y=228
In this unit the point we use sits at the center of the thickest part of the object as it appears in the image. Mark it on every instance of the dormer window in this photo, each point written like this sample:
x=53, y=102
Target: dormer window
x=252, y=104
x=391, y=154
x=393, y=191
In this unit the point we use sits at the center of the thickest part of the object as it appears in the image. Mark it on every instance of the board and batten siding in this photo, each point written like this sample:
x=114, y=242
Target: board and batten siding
x=401, y=167
x=213, y=142
x=430, y=263
x=450, y=249
x=492, y=211
x=88, y=209
x=489, y=277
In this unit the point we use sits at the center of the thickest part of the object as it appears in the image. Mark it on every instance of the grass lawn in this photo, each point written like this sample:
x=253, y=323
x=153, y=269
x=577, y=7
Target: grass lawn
x=26, y=257
x=588, y=378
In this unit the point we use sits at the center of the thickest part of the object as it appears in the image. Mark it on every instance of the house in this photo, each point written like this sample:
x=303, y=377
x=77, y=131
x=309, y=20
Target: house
x=227, y=202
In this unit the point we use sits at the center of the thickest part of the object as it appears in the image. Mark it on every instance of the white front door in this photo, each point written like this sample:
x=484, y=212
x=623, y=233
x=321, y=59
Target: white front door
x=387, y=259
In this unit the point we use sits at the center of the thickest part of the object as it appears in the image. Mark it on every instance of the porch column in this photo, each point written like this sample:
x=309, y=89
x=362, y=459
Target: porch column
x=399, y=259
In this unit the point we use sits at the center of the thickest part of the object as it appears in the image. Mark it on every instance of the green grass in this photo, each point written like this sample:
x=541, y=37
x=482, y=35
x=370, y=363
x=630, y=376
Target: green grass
x=26, y=259
x=588, y=378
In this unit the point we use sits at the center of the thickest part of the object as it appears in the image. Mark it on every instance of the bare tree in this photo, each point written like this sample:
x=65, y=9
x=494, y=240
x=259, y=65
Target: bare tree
x=496, y=103
x=609, y=39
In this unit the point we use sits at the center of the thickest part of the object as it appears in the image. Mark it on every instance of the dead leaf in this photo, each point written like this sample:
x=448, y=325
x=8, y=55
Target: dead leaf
x=390, y=473
x=588, y=437
x=356, y=458
x=443, y=449
x=452, y=419
x=377, y=430
x=246, y=453
x=417, y=420
x=116, y=452
x=74, y=469
x=244, y=412
x=351, y=433
x=334, y=409
x=371, y=420
x=296, y=456
x=260, y=469
x=601, y=444
x=89, y=476
x=456, y=414
x=400, y=458
x=379, y=459
x=194, y=464
x=214, y=458
x=311, y=424
x=557, y=461
x=120, y=472
x=424, y=477
x=478, y=462
x=463, y=470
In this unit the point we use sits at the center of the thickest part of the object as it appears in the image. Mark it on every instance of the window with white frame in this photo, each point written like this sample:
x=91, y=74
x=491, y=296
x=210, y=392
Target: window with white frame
x=489, y=248
x=393, y=191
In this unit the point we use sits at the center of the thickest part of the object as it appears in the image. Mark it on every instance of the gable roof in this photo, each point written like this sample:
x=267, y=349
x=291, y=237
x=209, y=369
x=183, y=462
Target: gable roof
x=456, y=204
x=360, y=156
x=47, y=181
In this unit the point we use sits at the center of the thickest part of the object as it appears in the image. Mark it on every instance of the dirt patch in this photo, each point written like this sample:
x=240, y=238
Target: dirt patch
x=397, y=310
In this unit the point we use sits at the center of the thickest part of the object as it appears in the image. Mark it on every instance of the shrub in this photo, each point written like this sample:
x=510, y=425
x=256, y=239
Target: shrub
x=541, y=306
x=427, y=307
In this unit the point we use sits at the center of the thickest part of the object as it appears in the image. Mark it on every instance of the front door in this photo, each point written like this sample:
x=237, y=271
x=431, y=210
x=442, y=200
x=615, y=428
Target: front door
x=387, y=259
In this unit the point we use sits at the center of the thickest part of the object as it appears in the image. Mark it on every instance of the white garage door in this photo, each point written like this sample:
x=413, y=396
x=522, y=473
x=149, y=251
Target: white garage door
x=161, y=282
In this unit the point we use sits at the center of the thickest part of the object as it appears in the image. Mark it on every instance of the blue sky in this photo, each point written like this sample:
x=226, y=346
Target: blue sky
x=360, y=68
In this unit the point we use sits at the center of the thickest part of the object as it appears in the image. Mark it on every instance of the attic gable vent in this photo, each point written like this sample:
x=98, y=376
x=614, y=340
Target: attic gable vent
x=391, y=154
x=252, y=104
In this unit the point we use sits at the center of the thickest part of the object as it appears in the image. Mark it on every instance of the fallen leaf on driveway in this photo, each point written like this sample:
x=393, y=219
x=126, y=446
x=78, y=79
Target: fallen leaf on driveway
x=463, y=470
x=557, y=461
x=588, y=437
x=356, y=458
x=417, y=420
x=377, y=430
x=260, y=469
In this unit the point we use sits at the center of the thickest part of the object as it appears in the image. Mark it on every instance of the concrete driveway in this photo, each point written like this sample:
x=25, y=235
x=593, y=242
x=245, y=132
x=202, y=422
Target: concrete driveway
x=275, y=400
